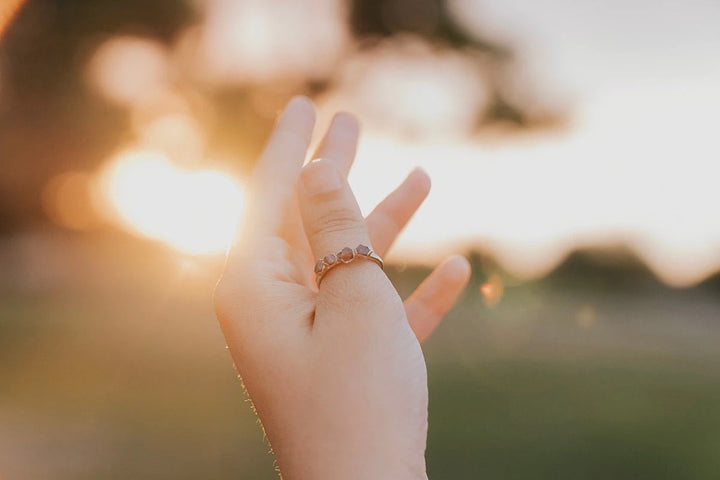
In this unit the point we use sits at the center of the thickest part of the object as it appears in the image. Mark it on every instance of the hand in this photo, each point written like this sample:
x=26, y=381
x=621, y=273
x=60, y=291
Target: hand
x=336, y=374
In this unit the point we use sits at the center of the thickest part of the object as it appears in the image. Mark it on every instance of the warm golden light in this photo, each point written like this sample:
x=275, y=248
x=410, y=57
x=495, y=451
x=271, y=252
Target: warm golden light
x=413, y=88
x=193, y=211
x=253, y=40
x=129, y=70
x=492, y=290
x=8, y=9
x=67, y=201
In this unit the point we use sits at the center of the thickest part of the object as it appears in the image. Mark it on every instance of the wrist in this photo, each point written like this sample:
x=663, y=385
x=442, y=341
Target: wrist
x=346, y=472
x=357, y=466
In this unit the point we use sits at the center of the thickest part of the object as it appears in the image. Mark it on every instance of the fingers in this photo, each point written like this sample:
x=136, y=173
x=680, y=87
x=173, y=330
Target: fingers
x=427, y=306
x=388, y=219
x=338, y=145
x=340, y=142
x=330, y=213
x=273, y=182
x=331, y=216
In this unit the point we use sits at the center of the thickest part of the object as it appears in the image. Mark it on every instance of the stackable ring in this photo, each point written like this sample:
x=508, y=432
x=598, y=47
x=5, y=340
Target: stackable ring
x=346, y=255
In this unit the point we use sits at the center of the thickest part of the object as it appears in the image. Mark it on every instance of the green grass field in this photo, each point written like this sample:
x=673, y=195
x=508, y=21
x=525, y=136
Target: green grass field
x=114, y=369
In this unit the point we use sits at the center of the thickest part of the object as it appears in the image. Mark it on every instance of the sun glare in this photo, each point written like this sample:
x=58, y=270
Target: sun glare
x=194, y=211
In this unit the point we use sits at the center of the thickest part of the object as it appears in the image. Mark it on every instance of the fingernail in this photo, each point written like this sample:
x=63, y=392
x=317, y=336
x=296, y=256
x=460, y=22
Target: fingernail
x=300, y=102
x=320, y=177
x=458, y=268
x=345, y=124
x=420, y=174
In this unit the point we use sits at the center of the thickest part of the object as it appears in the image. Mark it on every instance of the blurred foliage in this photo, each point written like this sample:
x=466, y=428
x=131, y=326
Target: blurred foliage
x=50, y=122
x=427, y=18
x=431, y=19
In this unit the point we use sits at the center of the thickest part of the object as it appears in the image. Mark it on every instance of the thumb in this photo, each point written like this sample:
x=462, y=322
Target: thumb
x=331, y=217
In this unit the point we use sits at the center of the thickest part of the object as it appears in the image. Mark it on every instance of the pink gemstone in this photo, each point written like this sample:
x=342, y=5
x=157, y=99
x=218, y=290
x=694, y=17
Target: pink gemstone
x=319, y=266
x=346, y=254
x=362, y=250
x=330, y=259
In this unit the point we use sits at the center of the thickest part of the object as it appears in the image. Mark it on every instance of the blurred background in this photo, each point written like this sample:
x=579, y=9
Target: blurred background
x=574, y=151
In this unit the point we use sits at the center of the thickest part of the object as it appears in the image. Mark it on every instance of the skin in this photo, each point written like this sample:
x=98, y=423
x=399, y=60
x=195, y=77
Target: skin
x=336, y=373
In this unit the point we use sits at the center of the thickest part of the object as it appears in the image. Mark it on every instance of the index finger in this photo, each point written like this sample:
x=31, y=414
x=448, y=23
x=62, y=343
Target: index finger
x=272, y=185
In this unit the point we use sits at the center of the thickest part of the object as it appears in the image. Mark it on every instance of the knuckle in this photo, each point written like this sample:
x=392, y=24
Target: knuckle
x=292, y=138
x=284, y=141
x=336, y=221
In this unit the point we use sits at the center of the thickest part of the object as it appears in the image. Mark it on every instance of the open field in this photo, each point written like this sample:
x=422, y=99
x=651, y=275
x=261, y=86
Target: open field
x=112, y=367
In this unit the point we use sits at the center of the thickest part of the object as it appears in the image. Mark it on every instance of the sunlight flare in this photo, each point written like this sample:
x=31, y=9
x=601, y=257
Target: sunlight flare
x=194, y=211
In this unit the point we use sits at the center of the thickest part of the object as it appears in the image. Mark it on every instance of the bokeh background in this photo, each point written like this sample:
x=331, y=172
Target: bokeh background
x=574, y=151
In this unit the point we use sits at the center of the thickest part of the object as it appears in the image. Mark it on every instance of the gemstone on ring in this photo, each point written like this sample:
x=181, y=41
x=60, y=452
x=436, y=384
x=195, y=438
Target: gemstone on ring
x=319, y=266
x=346, y=255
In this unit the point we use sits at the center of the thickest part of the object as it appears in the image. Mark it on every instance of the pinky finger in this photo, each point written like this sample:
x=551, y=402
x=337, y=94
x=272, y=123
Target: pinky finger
x=429, y=303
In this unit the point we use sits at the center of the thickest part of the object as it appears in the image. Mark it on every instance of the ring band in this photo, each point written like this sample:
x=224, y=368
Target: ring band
x=346, y=255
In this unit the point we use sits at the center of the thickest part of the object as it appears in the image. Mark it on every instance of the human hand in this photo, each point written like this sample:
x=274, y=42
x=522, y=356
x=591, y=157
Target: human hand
x=336, y=374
